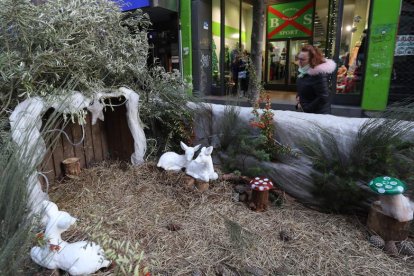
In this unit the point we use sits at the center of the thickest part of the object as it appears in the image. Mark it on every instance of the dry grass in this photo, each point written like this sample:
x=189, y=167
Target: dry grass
x=138, y=203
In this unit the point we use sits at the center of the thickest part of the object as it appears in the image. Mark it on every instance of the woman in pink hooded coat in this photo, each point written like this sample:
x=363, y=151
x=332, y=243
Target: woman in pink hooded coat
x=312, y=84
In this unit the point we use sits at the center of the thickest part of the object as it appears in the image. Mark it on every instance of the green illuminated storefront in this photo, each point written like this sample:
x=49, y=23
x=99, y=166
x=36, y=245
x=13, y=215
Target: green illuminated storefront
x=360, y=35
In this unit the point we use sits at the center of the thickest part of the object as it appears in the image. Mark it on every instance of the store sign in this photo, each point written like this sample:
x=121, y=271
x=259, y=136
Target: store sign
x=404, y=45
x=132, y=4
x=290, y=20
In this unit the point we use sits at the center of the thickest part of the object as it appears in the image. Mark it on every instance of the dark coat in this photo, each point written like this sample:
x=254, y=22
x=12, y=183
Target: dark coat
x=313, y=89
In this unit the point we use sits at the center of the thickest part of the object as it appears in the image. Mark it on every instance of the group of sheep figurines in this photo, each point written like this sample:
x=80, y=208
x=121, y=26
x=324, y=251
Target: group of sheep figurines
x=200, y=168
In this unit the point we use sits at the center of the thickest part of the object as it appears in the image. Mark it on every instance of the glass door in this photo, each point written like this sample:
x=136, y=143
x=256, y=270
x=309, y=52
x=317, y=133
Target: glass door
x=282, y=64
x=294, y=48
x=276, y=63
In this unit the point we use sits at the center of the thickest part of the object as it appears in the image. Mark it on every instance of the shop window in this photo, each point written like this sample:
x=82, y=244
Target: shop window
x=276, y=62
x=331, y=25
x=232, y=40
x=320, y=24
x=352, y=47
x=215, y=47
x=232, y=47
x=402, y=81
x=246, y=26
x=237, y=33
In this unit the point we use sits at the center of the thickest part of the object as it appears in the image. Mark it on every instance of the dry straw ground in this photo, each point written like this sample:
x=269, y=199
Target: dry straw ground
x=217, y=235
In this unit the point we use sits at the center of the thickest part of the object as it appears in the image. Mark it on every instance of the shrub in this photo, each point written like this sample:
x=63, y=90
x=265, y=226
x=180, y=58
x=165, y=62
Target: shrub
x=383, y=146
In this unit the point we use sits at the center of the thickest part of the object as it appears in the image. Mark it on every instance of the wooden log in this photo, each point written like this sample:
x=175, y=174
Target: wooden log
x=71, y=167
x=188, y=183
x=201, y=186
x=259, y=201
x=385, y=226
x=231, y=177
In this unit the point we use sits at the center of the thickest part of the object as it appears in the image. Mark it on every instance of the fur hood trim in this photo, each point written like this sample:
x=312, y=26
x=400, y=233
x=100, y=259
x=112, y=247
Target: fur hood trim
x=327, y=67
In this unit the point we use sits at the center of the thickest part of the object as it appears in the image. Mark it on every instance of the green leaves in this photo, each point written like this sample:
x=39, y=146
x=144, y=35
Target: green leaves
x=128, y=256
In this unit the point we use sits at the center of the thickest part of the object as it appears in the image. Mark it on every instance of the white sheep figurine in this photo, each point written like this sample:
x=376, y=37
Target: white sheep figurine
x=202, y=167
x=78, y=258
x=172, y=161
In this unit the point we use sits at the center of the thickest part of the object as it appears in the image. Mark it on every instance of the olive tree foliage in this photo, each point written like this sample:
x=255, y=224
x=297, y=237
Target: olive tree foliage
x=61, y=45
x=88, y=46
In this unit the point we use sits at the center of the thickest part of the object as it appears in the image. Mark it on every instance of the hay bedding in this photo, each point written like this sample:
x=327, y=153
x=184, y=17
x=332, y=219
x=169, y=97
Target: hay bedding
x=216, y=235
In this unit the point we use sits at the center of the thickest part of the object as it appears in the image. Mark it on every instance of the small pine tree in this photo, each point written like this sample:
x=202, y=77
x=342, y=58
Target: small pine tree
x=238, y=142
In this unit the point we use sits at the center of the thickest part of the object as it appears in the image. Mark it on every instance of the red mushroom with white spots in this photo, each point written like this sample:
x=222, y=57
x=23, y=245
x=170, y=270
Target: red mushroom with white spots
x=260, y=195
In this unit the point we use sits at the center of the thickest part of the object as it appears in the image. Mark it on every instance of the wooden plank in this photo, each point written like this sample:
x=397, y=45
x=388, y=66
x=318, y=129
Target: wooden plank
x=52, y=123
x=109, y=133
x=47, y=167
x=67, y=140
x=88, y=144
x=113, y=134
x=79, y=149
x=97, y=143
x=58, y=156
x=126, y=136
x=124, y=131
x=104, y=140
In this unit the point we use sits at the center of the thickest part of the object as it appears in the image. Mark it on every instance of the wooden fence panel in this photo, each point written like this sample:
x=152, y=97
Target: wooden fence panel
x=58, y=156
x=96, y=141
x=114, y=135
x=110, y=139
x=67, y=142
x=79, y=149
x=104, y=140
x=87, y=143
x=48, y=169
x=119, y=137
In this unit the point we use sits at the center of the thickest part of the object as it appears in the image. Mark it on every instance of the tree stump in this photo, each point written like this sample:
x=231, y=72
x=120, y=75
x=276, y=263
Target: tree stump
x=71, y=167
x=385, y=226
x=260, y=200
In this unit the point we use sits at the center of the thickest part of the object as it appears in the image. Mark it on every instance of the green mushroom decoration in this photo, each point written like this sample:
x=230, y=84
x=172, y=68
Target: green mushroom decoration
x=392, y=201
x=385, y=185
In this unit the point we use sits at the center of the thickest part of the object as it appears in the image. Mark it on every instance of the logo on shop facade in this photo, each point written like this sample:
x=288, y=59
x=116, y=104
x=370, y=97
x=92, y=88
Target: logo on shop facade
x=290, y=20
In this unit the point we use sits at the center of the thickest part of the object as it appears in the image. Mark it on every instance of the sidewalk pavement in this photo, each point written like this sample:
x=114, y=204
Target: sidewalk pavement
x=283, y=101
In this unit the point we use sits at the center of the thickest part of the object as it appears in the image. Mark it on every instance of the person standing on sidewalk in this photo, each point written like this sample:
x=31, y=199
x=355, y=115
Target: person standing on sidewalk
x=243, y=74
x=312, y=83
